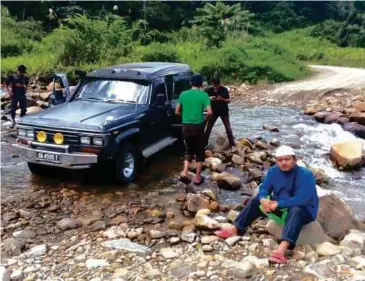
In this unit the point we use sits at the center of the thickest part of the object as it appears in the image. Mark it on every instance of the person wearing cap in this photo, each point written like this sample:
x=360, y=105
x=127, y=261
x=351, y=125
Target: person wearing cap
x=289, y=186
x=18, y=84
x=220, y=99
x=191, y=105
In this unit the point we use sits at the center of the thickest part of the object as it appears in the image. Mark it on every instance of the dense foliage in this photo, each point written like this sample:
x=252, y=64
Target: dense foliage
x=246, y=41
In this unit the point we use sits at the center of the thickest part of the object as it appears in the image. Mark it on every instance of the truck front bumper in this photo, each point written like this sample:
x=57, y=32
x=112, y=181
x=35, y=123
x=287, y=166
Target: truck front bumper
x=69, y=160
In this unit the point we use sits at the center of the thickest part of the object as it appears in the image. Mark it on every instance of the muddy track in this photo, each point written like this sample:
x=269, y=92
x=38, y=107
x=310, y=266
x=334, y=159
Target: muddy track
x=325, y=81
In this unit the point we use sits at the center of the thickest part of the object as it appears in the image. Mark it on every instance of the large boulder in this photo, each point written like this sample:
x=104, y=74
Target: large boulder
x=30, y=110
x=335, y=216
x=311, y=234
x=212, y=163
x=360, y=106
x=348, y=154
x=221, y=143
x=355, y=128
x=333, y=117
x=358, y=117
x=227, y=181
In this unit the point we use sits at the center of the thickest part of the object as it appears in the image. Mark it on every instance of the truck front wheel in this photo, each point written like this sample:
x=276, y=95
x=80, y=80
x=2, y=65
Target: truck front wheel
x=127, y=163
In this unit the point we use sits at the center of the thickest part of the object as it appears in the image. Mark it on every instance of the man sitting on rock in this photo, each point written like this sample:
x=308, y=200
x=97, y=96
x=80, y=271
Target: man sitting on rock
x=288, y=186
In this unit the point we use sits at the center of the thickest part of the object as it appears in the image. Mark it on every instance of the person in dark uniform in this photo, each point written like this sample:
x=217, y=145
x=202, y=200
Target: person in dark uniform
x=18, y=83
x=220, y=99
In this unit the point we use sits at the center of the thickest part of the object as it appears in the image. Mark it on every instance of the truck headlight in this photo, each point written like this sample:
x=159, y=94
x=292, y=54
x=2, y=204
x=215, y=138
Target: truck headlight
x=98, y=141
x=85, y=140
x=22, y=132
x=30, y=134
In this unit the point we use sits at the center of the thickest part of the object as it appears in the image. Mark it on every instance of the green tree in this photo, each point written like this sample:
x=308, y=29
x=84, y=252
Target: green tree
x=216, y=21
x=352, y=32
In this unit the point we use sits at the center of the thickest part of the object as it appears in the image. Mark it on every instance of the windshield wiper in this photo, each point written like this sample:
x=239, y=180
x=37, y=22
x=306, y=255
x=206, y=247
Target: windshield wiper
x=91, y=98
x=119, y=101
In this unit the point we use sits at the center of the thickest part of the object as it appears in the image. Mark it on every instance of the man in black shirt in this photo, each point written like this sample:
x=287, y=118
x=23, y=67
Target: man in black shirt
x=220, y=99
x=18, y=83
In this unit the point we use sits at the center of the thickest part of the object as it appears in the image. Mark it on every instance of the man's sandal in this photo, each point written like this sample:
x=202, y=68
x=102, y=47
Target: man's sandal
x=225, y=233
x=278, y=258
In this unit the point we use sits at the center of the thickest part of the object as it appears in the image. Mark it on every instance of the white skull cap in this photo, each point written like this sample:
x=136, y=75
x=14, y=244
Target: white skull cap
x=284, y=150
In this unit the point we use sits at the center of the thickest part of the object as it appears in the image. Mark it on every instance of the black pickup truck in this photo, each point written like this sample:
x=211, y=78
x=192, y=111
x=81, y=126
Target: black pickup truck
x=121, y=115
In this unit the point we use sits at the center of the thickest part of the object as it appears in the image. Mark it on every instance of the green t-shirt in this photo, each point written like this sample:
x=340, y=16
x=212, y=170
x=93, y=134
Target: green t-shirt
x=193, y=103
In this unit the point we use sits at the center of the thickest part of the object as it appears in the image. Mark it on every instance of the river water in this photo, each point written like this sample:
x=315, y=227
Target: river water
x=312, y=141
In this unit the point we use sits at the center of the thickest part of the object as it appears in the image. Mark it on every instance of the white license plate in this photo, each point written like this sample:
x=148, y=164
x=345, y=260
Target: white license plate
x=48, y=157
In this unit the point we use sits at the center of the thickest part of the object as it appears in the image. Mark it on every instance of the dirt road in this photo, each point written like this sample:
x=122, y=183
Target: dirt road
x=326, y=80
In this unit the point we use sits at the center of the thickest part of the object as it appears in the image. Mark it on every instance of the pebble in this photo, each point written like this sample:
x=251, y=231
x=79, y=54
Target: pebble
x=16, y=275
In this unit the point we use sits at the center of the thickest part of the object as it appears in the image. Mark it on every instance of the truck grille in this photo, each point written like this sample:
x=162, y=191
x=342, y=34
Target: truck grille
x=69, y=138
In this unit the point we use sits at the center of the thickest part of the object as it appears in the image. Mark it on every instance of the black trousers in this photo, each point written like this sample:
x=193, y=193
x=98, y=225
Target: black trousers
x=194, y=142
x=22, y=101
x=227, y=125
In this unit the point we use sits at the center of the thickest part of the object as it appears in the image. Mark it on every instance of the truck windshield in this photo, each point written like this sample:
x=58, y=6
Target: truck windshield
x=114, y=91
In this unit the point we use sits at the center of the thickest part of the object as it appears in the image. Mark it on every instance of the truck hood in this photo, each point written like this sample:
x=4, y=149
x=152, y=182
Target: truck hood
x=81, y=115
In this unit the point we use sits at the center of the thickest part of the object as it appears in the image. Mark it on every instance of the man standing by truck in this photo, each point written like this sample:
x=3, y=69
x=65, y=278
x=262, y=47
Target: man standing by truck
x=18, y=83
x=220, y=99
x=191, y=104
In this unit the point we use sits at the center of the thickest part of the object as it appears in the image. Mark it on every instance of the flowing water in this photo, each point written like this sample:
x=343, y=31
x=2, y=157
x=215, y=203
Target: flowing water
x=312, y=141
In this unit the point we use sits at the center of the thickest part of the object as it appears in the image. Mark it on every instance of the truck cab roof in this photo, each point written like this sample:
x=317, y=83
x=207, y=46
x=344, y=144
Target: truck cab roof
x=140, y=71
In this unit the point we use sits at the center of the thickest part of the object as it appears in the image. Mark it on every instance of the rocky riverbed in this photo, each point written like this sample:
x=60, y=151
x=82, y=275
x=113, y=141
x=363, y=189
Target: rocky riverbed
x=167, y=233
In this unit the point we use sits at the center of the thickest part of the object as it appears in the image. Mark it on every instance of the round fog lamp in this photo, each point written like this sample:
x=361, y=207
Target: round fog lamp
x=41, y=136
x=58, y=138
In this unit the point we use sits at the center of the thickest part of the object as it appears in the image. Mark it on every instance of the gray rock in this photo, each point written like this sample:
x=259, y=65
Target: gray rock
x=238, y=160
x=114, y=232
x=327, y=249
x=244, y=269
x=354, y=240
x=151, y=273
x=30, y=269
x=169, y=253
x=359, y=262
x=311, y=234
x=221, y=219
x=311, y=256
x=210, y=194
x=156, y=234
x=37, y=251
x=321, y=270
x=98, y=225
x=231, y=241
x=94, y=263
x=69, y=223
x=127, y=245
x=4, y=274
x=338, y=259
x=329, y=217
x=269, y=243
x=17, y=275
x=110, y=255
x=207, y=248
x=13, y=246
x=209, y=239
x=25, y=234
x=232, y=215
x=188, y=236
x=259, y=263
x=205, y=222
x=174, y=240
x=25, y=214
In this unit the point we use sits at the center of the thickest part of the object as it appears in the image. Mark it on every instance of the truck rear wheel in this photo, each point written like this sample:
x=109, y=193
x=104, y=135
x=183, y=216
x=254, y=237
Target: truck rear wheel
x=38, y=169
x=127, y=163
